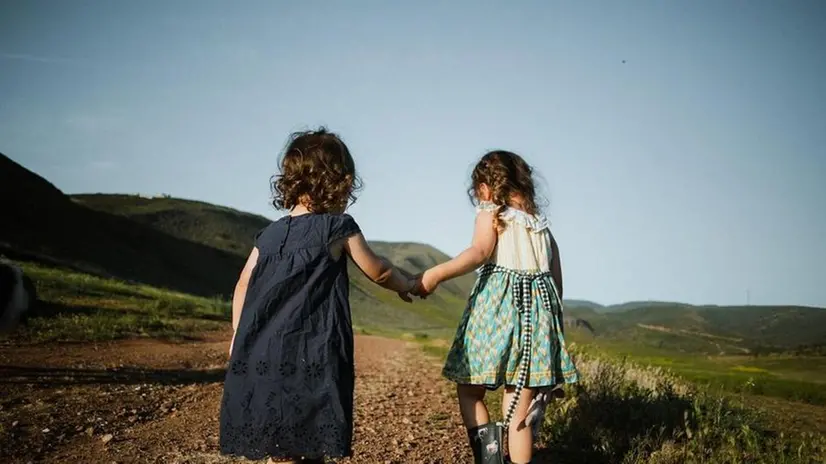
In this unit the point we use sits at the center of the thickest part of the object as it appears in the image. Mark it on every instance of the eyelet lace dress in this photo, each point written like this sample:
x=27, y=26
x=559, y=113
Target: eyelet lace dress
x=288, y=391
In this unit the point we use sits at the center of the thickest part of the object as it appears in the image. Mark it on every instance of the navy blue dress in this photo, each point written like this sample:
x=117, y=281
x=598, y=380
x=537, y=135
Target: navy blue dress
x=289, y=387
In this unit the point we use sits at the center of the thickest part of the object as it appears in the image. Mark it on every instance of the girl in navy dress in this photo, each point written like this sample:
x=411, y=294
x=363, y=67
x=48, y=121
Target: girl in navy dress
x=288, y=393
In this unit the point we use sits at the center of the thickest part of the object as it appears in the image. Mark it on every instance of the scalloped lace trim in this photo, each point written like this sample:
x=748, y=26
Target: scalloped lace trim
x=535, y=223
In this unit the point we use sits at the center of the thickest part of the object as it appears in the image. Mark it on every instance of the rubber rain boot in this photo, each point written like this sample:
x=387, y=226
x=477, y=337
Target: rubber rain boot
x=486, y=443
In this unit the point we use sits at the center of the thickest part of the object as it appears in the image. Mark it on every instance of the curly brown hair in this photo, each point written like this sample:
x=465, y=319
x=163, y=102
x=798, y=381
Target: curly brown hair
x=509, y=179
x=317, y=171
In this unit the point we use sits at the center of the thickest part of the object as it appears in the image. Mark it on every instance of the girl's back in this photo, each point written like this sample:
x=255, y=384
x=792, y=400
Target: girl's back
x=293, y=350
x=525, y=244
x=297, y=281
x=511, y=333
x=288, y=392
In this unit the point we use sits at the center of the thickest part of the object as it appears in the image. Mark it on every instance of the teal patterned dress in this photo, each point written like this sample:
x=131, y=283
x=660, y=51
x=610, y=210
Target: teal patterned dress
x=514, y=296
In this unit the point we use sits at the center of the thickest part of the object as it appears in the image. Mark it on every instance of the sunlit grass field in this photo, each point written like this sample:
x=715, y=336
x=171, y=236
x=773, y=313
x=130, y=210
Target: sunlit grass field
x=625, y=411
x=80, y=307
x=796, y=378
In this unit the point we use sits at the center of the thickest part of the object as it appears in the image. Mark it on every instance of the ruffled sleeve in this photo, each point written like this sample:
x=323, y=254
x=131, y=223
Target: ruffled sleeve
x=342, y=226
x=486, y=206
x=258, y=236
x=532, y=222
x=261, y=237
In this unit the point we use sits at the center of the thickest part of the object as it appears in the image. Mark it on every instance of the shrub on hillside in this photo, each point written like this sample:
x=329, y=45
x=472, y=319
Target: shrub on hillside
x=623, y=413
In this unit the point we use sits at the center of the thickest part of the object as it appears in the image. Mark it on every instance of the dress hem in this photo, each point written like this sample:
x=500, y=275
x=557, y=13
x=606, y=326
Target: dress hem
x=495, y=382
x=257, y=457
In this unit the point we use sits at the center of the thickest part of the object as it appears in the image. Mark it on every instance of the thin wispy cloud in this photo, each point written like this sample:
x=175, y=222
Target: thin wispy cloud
x=35, y=58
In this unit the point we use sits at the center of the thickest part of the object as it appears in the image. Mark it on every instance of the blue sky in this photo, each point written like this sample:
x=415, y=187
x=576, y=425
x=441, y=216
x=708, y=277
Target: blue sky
x=693, y=171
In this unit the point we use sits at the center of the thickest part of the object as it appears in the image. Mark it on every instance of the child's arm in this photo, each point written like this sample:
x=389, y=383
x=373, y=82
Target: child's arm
x=556, y=266
x=241, y=292
x=480, y=250
x=379, y=270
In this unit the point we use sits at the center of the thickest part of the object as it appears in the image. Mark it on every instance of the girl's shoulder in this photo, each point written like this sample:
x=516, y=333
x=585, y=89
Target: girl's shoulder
x=340, y=226
x=323, y=228
x=535, y=222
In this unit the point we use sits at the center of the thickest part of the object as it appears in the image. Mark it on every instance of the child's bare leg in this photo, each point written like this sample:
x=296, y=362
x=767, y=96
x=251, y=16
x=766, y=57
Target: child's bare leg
x=472, y=405
x=520, y=436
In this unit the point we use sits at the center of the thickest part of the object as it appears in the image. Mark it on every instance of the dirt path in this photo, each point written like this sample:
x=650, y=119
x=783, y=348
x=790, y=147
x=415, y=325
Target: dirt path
x=155, y=402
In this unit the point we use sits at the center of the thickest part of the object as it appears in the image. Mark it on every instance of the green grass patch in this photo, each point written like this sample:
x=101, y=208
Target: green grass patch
x=79, y=307
x=623, y=412
x=794, y=378
x=435, y=351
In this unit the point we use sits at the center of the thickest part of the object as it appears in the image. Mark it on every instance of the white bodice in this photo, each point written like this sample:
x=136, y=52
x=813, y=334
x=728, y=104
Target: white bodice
x=525, y=243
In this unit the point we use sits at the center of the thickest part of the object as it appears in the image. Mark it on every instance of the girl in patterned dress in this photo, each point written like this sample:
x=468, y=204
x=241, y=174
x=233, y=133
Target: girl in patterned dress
x=511, y=333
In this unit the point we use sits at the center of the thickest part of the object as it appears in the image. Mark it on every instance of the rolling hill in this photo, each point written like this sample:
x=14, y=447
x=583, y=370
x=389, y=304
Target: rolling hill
x=199, y=248
x=668, y=325
x=232, y=231
x=709, y=329
x=188, y=246
x=215, y=226
x=41, y=223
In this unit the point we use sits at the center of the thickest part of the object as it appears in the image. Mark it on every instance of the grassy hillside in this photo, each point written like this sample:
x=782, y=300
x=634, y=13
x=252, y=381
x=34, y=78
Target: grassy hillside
x=710, y=330
x=627, y=412
x=670, y=325
x=664, y=334
x=73, y=246
x=78, y=307
x=583, y=304
x=416, y=258
x=219, y=227
x=41, y=223
x=231, y=230
x=199, y=248
x=374, y=309
x=724, y=348
x=187, y=246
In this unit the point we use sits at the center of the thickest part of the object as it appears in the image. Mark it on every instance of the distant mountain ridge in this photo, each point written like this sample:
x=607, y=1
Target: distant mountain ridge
x=232, y=231
x=709, y=329
x=40, y=221
x=187, y=245
x=200, y=248
x=216, y=226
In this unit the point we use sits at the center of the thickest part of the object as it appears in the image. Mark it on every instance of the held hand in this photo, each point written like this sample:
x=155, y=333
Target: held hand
x=427, y=284
x=417, y=288
x=405, y=296
x=429, y=281
x=411, y=285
